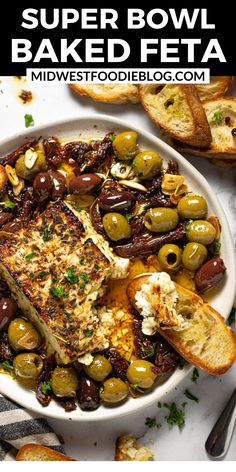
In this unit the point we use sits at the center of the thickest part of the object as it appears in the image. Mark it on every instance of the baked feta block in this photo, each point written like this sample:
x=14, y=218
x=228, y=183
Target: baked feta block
x=56, y=272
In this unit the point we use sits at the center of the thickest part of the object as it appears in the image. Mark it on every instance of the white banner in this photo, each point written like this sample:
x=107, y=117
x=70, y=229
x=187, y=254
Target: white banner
x=122, y=76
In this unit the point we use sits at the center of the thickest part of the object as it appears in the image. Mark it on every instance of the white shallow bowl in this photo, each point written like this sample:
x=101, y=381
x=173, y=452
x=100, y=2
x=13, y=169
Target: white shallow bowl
x=95, y=126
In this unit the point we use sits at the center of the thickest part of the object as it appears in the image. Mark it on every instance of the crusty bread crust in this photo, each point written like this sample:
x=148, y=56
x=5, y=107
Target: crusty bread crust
x=109, y=93
x=35, y=452
x=178, y=110
x=217, y=87
x=208, y=322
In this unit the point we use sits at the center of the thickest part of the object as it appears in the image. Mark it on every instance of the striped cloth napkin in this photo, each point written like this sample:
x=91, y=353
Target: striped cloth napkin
x=19, y=426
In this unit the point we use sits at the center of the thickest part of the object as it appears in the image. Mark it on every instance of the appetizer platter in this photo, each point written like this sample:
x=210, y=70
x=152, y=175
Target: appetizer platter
x=114, y=256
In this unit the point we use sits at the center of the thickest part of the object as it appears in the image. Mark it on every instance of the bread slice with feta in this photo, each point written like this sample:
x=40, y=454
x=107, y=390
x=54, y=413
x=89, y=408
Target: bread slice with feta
x=109, y=93
x=221, y=116
x=201, y=338
x=178, y=110
x=128, y=448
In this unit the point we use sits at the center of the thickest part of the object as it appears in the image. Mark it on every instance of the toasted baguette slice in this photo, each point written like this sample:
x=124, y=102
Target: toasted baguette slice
x=34, y=452
x=217, y=87
x=221, y=116
x=206, y=342
x=110, y=93
x=129, y=448
x=178, y=110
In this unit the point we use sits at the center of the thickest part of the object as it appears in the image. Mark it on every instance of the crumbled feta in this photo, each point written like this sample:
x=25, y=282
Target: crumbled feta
x=156, y=302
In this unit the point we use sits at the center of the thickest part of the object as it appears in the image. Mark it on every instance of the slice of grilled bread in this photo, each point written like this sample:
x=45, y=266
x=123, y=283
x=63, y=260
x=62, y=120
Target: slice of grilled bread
x=35, y=452
x=205, y=341
x=221, y=116
x=129, y=448
x=217, y=87
x=178, y=110
x=110, y=93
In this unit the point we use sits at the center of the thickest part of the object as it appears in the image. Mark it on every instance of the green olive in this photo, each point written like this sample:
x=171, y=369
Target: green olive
x=39, y=165
x=125, y=145
x=141, y=373
x=99, y=369
x=201, y=231
x=28, y=365
x=23, y=336
x=161, y=220
x=169, y=256
x=114, y=390
x=194, y=254
x=147, y=164
x=192, y=207
x=116, y=226
x=64, y=382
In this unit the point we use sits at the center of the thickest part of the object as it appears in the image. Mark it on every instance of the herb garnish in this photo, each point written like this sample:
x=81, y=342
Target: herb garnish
x=151, y=423
x=217, y=117
x=46, y=387
x=101, y=389
x=187, y=226
x=9, y=204
x=58, y=292
x=231, y=318
x=47, y=234
x=6, y=365
x=76, y=207
x=217, y=247
x=70, y=276
x=175, y=417
x=88, y=333
x=29, y=120
x=84, y=277
x=68, y=315
x=81, y=261
x=128, y=217
x=30, y=256
x=40, y=275
x=195, y=375
x=112, y=137
x=190, y=396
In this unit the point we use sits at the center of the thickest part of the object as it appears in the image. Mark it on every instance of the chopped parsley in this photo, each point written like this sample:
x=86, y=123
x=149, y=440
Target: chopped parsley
x=76, y=207
x=68, y=315
x=187, y=226
x=6, y=365
x=135, y=386
x=135, y=162
x=82, y=286
x=151, y=423
x=195, y=375
x=128, y=217
x=58, y=292
x=88, y=333
x=46, y=387
x=217, y=247
x=175, y=417
x=9, y=204
x=30, y=256
x=47, y=233
x=231, y=318
x=190, y=396
x=70, y=276
x=29, y=120
x=81, y=261
x=112, y=137
x=41, y=275
x=217, y=117
x=84, y=277
x=101, y=389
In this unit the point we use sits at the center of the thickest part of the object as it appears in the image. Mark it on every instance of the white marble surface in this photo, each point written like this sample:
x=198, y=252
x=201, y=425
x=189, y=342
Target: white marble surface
x=96, y=441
